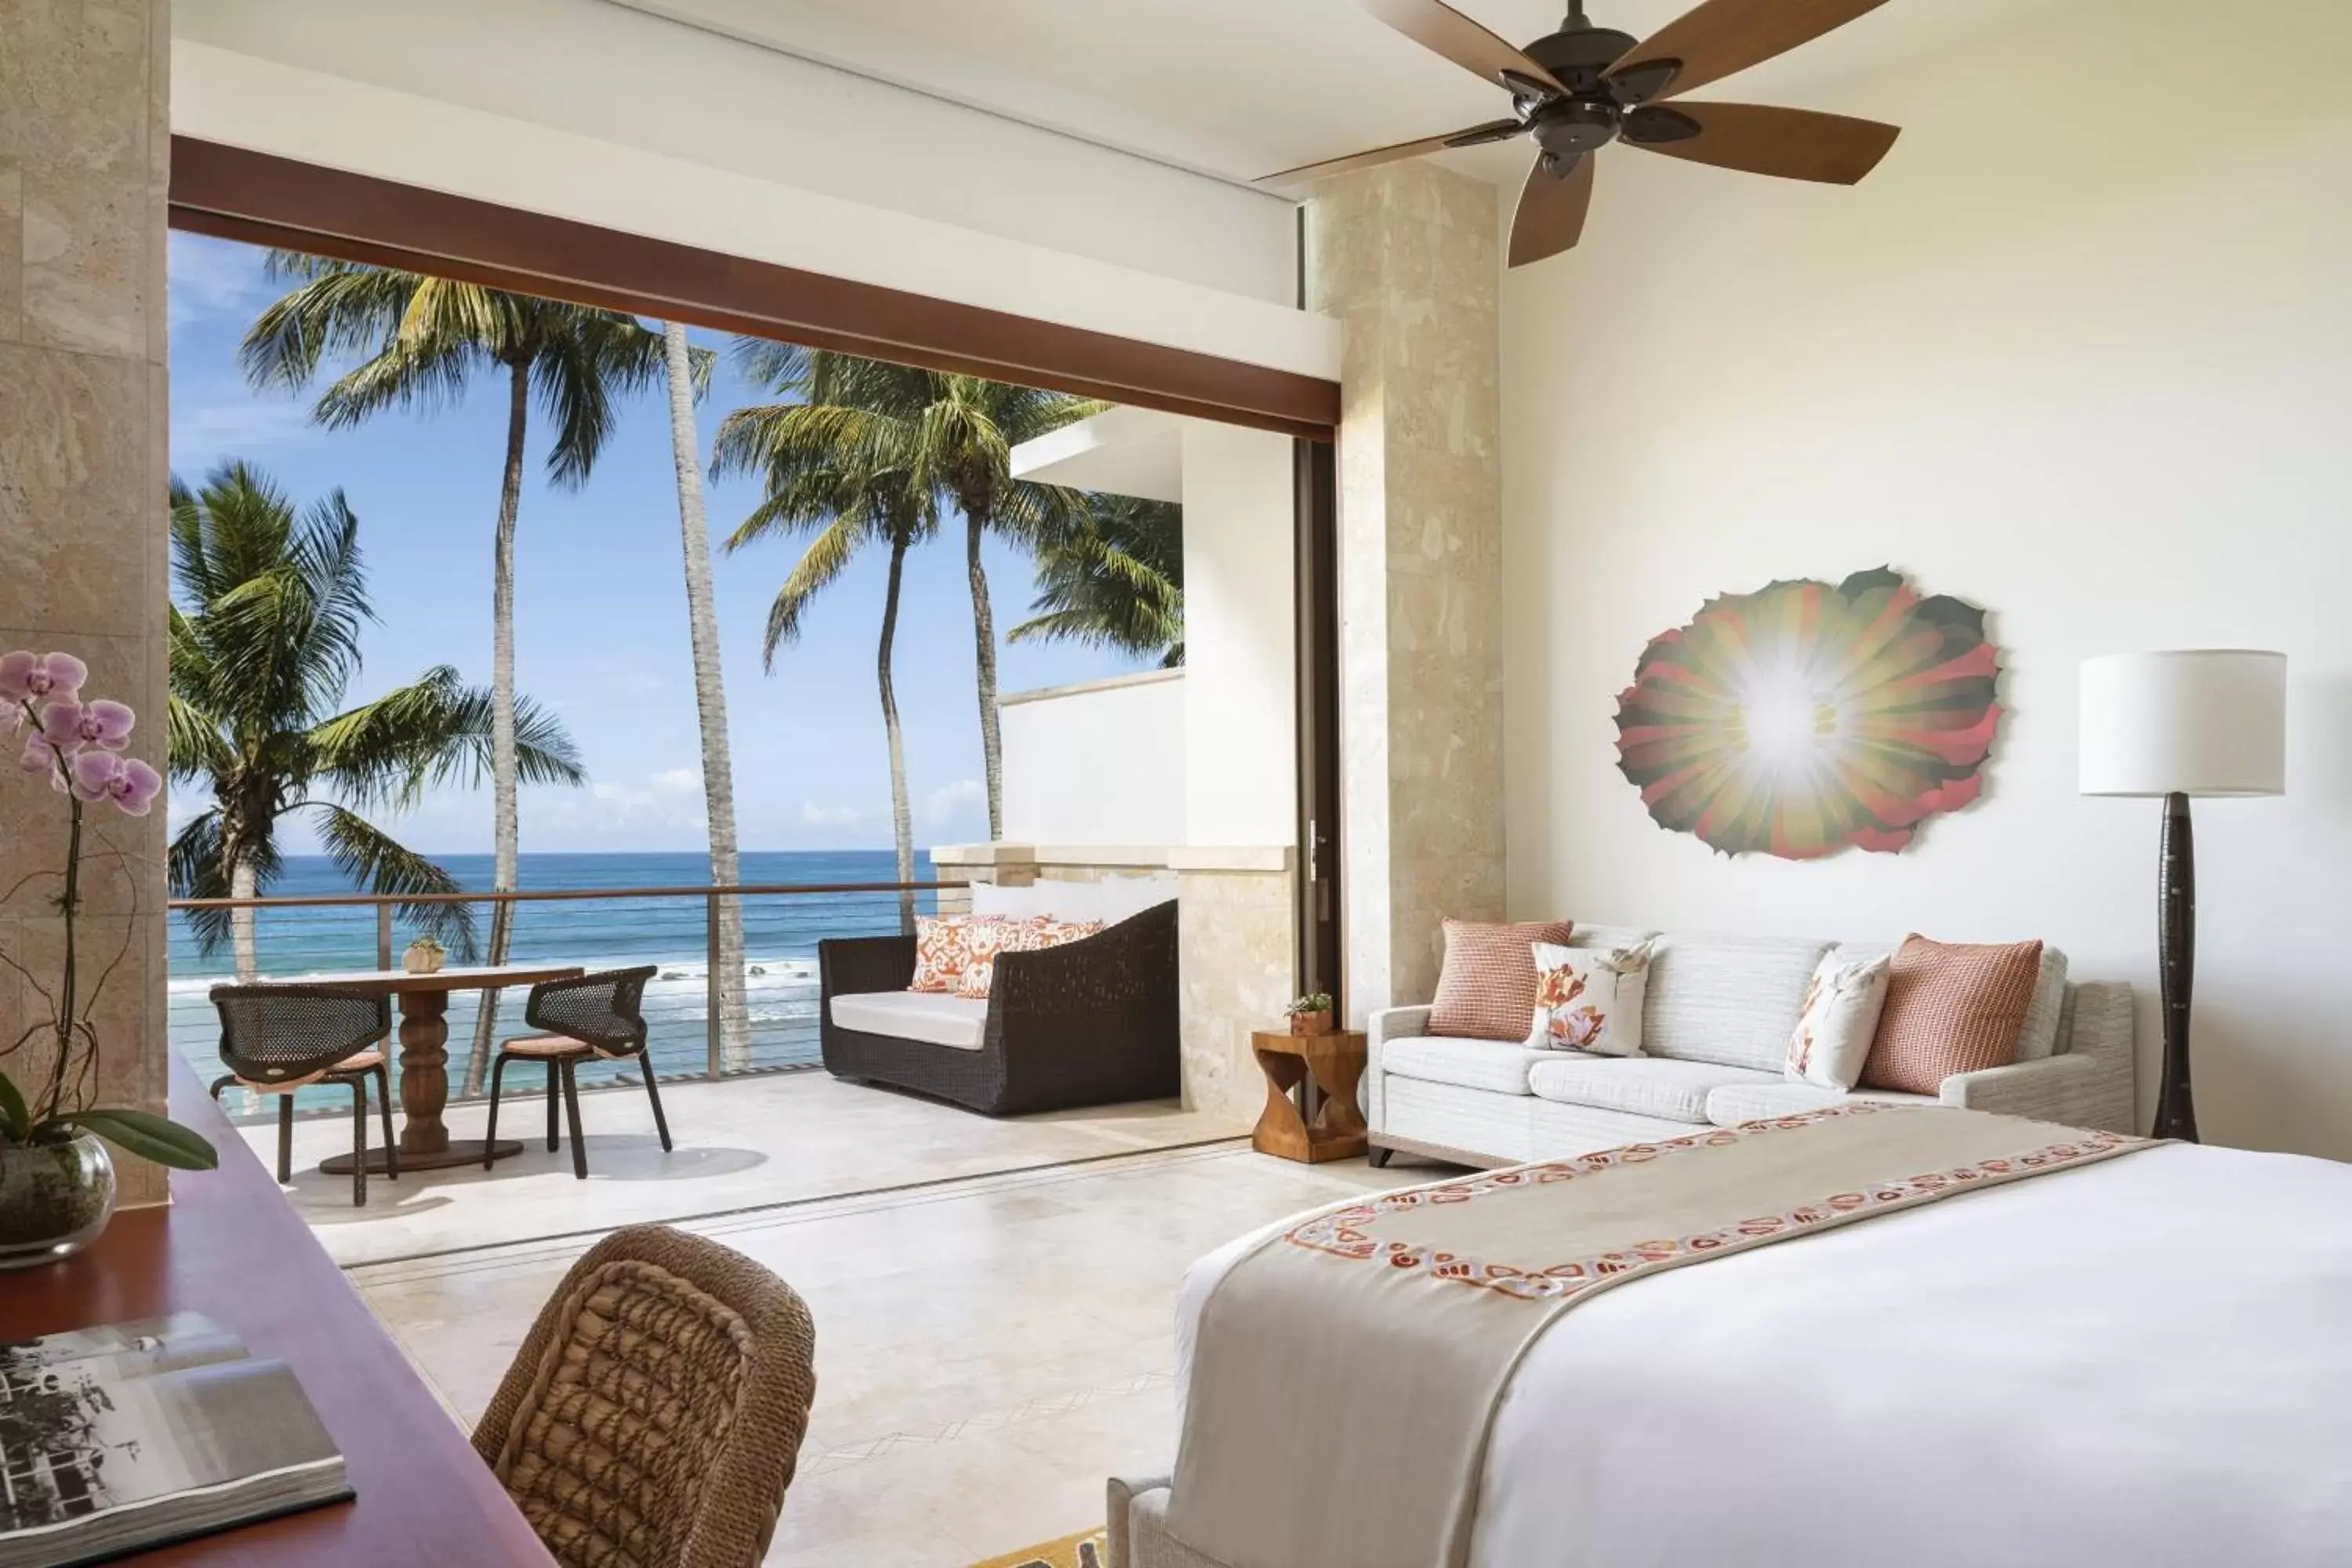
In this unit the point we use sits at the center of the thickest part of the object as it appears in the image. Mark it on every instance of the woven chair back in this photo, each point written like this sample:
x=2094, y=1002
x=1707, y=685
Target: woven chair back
x=273, y=1034
x=653, y=1417
x=604, y=1010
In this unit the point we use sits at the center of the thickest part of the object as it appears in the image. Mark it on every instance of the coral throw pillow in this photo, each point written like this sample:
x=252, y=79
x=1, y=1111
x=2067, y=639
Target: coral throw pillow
x=947, y=945
x=1839, y=1022
x=1018, y=936
x=1591, y=999
x=1488, y=989
x=1950, y=1009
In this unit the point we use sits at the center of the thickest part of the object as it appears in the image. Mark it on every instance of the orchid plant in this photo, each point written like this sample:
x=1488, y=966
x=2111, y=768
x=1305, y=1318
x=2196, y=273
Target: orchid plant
x=77, y=744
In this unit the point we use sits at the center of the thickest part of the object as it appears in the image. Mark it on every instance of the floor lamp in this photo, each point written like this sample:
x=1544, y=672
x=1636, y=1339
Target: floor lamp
x=2198, y=722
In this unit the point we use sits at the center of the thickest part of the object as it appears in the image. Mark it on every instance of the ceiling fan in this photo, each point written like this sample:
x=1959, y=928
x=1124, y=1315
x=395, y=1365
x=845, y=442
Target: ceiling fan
x=1582, y=87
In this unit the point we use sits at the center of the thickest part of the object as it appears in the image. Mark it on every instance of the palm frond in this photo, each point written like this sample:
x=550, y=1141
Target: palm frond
x=374, y=859
x=433, y=731
x=827, y=555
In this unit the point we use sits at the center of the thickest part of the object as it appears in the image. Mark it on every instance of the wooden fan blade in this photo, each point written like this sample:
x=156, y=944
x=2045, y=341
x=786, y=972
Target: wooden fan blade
x=1494, y=129
x=1794, y=143
x=1725, y=35
x=1551, y=212
x=1440, y=29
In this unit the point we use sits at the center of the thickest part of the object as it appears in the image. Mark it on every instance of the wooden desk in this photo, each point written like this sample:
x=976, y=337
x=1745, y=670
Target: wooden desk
x=233, y=1249
x=425, y=1141
x=1335, y=1060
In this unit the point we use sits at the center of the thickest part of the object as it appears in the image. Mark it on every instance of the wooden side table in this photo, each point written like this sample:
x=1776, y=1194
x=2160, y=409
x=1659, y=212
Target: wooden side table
x=1336, y=1061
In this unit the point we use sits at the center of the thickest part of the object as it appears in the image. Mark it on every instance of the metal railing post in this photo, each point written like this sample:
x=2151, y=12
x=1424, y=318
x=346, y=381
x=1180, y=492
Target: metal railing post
x=383, y=936
x=710, y=979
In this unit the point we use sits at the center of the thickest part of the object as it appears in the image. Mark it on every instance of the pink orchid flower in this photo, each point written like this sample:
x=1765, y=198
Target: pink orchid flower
x=134, y=786
x=37, y=676
x=70, y=726
x=12, y=716
x=38, y=757
x=93, y=774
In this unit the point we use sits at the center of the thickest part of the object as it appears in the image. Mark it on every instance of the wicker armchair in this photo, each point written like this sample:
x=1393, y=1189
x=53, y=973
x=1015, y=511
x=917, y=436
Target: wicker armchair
x=591, y=1017
x=1088, y=1023
x=653, y=1417
x=276, y=1039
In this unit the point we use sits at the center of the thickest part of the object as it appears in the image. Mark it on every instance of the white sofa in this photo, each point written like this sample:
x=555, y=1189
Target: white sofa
x=1715, y=1029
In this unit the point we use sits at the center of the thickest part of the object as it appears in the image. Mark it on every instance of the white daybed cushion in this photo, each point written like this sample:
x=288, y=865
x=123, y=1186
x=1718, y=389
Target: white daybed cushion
x=923, y=1016
x=1499, y=1067
x=1638, y=1086
x=2039, y=1039
x=1110, y=900
x=1727, y=1000
x=1734, y=1103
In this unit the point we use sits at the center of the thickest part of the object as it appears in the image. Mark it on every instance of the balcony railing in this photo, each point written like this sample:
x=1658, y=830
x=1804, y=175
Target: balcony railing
x=675, y=928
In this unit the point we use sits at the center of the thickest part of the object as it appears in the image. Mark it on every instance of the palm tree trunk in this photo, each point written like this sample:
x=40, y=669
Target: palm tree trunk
x=984, y=631
x=243, y=884
x=506, y=825
x=902, y=818
x=710, y=700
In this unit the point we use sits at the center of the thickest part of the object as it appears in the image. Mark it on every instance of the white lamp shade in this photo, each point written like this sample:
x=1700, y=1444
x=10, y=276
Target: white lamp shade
x=2200, y=723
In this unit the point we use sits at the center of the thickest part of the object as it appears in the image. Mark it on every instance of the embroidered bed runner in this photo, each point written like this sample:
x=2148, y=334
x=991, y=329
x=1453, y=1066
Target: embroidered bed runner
x=1346, y=1372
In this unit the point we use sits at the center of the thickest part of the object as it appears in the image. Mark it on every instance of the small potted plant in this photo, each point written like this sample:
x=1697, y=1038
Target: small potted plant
x=1310, y=1015
x=423, y=956
x=56, y=1180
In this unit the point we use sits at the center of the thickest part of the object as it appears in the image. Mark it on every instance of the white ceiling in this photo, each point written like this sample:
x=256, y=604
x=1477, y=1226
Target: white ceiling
x=1242, y=87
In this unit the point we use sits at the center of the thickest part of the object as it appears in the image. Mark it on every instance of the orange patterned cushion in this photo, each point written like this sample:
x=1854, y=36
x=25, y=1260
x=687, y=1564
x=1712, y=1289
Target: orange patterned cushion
x=1488, y=989
x=1020, y=936
x=948, y=945
x=1950, y=1009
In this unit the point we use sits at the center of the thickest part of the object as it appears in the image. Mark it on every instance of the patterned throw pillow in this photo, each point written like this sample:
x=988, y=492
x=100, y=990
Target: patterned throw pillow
x=1019, y=936
x=1590, y=999
x=1950, y=1009
x=944, y=948
x=1839, y=1021
x=1488, y=989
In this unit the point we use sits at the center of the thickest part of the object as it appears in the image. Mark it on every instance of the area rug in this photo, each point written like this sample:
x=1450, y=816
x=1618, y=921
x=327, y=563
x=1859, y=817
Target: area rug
x=1083, y=1550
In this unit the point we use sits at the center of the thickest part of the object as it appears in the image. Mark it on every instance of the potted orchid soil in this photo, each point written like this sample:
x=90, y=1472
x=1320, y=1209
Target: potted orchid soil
x=1310, y=1015
x=57, y=1179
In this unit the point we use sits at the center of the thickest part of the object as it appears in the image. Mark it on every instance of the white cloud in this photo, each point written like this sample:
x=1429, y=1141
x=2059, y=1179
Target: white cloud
x=817, y=816
x=677, y=780
x=954, y=802
x=205, y=434
x=211, y=278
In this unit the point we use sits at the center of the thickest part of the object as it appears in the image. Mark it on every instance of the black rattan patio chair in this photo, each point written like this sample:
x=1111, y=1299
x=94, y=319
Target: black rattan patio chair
x=276, y=1039
x=596, y=1018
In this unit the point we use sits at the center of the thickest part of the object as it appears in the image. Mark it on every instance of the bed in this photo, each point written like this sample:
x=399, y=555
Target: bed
x=2146, y=1360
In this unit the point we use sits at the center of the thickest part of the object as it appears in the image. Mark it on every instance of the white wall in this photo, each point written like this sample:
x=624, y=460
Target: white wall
x=1101, y=763
x=2079, y=353
x=611, y=116
x=1240, y=694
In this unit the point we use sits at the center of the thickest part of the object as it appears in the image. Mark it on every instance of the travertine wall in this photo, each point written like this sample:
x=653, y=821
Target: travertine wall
x=1406, y=257
x=84, y=158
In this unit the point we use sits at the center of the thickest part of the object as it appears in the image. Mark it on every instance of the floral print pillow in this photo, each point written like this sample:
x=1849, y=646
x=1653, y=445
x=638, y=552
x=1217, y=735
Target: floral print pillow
x=1019, y=936
x=1838, y=1022
x=948, y=945
x=1590, y=999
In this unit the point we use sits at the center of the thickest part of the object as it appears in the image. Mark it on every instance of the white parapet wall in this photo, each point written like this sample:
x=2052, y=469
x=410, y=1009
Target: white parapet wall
x=1100, y=763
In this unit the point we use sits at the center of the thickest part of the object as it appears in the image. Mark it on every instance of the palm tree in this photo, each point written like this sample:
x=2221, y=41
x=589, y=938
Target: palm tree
x=953, y=435
x=1115, y=581
x=424, y=339
x=688, y=370
x=821, y=479
x=264, y=639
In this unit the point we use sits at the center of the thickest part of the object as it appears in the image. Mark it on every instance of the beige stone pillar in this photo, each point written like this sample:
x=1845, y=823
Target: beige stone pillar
x=1237, y=944
x=85, y=146
x=1406, y=257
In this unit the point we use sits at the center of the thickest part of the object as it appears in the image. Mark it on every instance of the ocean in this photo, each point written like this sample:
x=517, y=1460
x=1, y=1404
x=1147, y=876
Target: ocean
x=779, y=937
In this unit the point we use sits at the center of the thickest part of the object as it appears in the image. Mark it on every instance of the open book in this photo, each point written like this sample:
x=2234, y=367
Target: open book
x=120, y=1438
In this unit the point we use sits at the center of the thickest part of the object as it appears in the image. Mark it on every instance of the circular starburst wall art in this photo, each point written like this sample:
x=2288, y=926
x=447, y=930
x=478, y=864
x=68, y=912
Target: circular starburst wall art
x=1803, y=718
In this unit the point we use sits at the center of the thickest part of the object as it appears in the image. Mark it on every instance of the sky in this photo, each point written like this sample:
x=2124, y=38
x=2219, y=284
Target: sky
x=600, y=633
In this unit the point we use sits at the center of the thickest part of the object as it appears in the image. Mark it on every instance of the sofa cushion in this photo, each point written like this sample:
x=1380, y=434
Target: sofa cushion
x=1487, y=987
x=1495, y=1065
x=953, y=1021
x=2043, y=1019
x=1952, y=1008
x=1730, y=1001
x=1638, y=1086
x=1734, y=1103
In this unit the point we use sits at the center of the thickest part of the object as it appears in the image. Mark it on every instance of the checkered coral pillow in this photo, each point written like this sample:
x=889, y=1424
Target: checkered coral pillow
x=1950, y=1009
x=1488, y=989
x=1020, y=936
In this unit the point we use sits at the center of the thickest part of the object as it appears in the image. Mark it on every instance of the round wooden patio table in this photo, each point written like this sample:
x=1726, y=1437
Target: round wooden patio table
x=425, y=1142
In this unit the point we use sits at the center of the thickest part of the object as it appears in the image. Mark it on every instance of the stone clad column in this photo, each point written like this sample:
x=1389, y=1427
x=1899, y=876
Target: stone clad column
x=85, y=148
x=1406, y=257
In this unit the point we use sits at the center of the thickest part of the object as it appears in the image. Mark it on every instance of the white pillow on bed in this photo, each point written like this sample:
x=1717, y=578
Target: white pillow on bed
x=1837, y=1021
x=1590, y=999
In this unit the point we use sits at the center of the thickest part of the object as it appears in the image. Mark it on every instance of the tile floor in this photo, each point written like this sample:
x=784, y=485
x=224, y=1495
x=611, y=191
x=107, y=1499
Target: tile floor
x=742, y=1144
x=988, y=1350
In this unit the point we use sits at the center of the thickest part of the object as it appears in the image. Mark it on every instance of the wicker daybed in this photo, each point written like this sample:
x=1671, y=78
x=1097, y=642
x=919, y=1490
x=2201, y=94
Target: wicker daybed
x=1088, y=1023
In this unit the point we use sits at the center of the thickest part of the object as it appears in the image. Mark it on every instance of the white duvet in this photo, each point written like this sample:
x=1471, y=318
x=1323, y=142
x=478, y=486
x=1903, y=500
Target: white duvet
x=2144, y=1362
